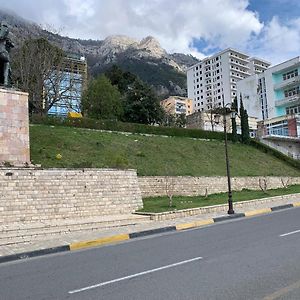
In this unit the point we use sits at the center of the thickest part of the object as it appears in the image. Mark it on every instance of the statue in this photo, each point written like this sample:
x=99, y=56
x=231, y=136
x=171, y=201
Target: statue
x=5, y=46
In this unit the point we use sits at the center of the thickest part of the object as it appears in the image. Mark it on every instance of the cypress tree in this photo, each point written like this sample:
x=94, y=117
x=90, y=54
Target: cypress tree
x=244, y=122
x=234, y=107
x=247, y=131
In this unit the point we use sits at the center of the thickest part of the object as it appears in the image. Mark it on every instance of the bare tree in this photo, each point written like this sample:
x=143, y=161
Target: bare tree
x=40, y=69
x=170, y=184
x=212, y=112
x=285, y=183
x=263, y=184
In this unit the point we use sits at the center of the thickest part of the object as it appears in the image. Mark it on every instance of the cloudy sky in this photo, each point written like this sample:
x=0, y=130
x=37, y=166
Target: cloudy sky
x=269, y=29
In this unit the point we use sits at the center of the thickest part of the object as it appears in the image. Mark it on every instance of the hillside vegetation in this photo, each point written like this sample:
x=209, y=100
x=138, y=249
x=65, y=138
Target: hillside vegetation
x=150, y=155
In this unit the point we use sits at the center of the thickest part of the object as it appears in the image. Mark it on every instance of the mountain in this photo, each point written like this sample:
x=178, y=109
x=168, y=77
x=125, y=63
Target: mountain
x=145, y=58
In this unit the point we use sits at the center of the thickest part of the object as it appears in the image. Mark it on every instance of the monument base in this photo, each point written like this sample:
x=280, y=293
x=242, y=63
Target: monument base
x=14, y=128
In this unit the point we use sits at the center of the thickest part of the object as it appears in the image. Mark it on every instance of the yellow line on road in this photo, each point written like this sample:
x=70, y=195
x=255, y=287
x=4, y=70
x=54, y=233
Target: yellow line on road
x=99, y=242
x=257, y=212
x=194, y=224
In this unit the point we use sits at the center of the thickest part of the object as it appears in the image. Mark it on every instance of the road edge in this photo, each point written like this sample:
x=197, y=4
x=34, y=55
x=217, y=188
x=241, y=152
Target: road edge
x=114, y=239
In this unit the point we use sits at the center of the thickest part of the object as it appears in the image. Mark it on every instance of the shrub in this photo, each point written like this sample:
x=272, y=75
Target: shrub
x=128, y=127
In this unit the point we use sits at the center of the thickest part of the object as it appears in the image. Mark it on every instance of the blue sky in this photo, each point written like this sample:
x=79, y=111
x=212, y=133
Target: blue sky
x=269, y=29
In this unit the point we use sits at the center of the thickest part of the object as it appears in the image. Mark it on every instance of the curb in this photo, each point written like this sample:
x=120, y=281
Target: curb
x=123, y=237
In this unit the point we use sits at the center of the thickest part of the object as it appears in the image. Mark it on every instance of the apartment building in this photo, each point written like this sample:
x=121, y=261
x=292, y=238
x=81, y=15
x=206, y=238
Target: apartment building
x=175, y=105
x=274, y=92
x=216, y=77
x=273, y=97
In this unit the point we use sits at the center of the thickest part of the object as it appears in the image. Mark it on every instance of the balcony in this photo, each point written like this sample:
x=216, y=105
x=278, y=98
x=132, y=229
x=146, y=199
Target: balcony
x=287, y=83
x=240, y=65
x=292, y=100
x=233, y=55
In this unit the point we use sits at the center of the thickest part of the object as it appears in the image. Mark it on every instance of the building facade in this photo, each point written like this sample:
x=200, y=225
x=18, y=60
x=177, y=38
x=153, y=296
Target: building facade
x=274, y=92
x=176, y=106
x=273, y=96
x=216, y=77
x=70, y=83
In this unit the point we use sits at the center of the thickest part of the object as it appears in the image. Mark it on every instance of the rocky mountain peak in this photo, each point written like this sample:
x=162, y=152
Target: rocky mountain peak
x=119, y=41
x=152, y=45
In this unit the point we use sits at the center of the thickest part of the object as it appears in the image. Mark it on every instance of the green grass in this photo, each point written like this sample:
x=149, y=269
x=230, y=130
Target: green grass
x=150, y=155
x=161, y=204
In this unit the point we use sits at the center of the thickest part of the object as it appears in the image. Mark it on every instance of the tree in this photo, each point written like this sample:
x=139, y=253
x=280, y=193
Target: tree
x=39, y=70
x=234, y=108
x=141, y=104
x=119, y=78
x=102, y=100
x=244, y=122
x=180, y=120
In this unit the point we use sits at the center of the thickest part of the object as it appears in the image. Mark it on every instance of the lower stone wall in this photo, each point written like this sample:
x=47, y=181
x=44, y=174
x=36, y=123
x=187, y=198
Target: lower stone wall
x=28, y=195
x=193, y=186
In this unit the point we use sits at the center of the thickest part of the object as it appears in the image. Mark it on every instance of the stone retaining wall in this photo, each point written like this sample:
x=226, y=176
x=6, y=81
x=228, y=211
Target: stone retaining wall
x=193, y=186
x=35, y=195
x=221, y=208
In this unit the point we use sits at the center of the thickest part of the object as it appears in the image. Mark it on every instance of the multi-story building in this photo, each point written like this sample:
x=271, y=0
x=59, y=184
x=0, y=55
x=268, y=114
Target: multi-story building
x=215, y=78
x=273, y=96
x=176, y=106
x=274, y=92
x=71, y=81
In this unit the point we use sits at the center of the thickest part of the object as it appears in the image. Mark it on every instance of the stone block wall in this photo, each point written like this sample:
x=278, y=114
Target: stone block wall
x=193, y=186
x=28, y=195
x=14, y=127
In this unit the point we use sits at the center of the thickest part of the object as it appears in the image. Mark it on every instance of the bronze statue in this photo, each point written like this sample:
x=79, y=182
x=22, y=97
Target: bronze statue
x=5, y=47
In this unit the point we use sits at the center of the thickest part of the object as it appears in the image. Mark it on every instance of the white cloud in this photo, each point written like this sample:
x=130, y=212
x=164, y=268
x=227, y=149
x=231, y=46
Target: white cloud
x=79, y=8
x=280, y=41
x=175, y=23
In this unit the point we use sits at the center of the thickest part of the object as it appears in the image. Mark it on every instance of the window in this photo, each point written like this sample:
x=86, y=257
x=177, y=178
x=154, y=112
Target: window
x=290, y=74
x=293, y=110
x=291, y=92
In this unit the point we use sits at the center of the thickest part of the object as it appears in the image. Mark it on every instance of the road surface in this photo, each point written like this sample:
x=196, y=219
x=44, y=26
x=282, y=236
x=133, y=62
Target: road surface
x=248, y=258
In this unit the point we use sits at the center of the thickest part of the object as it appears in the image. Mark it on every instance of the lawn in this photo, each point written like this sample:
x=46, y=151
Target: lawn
x=161, y=204
x=150, y=155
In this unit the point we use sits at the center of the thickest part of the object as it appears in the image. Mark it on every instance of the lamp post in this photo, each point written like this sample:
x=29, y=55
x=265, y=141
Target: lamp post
x=230, y=203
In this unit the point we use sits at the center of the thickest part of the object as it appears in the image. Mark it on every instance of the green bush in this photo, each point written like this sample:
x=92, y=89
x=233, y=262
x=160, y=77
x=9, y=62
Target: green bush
x=128, y=127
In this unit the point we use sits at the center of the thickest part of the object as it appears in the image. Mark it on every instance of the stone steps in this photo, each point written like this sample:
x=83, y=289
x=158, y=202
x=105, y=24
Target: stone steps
x=22, y=233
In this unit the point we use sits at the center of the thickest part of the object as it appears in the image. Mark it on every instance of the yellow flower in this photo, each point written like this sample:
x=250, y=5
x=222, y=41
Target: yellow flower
x=58, y=156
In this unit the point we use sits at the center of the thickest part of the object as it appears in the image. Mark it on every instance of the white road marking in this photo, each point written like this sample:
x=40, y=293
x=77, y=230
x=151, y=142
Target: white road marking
x=289, y=233
x=134, y=275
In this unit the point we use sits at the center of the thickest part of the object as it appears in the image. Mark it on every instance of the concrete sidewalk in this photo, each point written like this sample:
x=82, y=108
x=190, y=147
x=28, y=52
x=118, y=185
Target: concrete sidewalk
x=10, y=247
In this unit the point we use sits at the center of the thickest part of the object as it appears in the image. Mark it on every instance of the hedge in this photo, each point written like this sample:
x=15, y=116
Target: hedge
x=128, y=127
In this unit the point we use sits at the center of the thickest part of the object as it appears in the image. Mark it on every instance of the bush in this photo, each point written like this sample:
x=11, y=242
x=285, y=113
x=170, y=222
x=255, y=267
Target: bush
x=128, y=127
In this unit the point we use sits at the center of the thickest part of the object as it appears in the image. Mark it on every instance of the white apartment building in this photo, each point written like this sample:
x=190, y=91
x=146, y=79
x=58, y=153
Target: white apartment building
x=216, y=77
x=273, y=93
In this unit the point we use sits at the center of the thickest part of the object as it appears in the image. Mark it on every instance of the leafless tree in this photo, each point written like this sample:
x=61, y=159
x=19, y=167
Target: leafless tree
x=40, y=69
x=170, y=184
x=285, y=183
x=263, y=184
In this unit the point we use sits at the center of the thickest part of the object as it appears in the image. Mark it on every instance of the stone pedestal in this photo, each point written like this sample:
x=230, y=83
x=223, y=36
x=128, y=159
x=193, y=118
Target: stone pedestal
x=14, y=128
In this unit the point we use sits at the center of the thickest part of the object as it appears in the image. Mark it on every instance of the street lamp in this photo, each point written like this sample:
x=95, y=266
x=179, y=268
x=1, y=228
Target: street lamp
x=233, y=115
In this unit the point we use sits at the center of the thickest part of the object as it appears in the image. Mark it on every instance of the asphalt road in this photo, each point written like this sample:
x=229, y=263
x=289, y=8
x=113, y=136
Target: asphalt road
x=249, y=258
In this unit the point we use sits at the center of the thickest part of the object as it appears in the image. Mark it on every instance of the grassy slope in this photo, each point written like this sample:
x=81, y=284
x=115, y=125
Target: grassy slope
x=150, y=155
x=160, y=204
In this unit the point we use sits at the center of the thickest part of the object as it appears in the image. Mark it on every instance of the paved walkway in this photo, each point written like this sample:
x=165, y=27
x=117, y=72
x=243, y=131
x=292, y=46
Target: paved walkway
x=55, y=240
